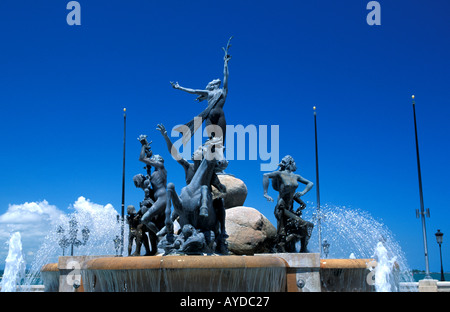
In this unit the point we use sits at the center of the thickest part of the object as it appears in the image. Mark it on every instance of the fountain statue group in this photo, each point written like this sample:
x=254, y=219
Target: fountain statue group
x=201, y=218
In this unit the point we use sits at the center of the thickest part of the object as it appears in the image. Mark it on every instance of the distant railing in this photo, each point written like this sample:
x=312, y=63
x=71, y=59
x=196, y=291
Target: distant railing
x=31, y=288
x=414, y=286
x=443, y=286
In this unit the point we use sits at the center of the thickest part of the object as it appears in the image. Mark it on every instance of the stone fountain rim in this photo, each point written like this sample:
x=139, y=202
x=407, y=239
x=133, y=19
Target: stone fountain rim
x=346, y=263
x=183, y=262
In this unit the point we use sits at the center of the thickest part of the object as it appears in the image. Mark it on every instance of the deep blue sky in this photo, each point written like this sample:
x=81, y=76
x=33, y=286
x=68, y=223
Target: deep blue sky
x=63, y=88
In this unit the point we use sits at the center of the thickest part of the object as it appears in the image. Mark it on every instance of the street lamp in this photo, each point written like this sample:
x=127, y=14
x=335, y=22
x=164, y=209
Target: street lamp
x=71, y=239
x=319, y=216
x=326, y=247
x=422, y=214
x=73, y=233
x=63, y=241
x=117, y=244
x=118, y=240
x=439, y=237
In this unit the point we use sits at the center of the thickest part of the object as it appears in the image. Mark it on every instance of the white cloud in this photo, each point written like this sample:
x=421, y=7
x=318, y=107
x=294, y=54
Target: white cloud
x=30, y=213
x=83, y=205
x=35, y=220
x=32, y=220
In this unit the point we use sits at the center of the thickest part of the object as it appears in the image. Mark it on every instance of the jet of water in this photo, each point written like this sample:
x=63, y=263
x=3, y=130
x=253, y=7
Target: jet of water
x=357, y=232
x=103, y=228
x=384, y=269
x=15, y=265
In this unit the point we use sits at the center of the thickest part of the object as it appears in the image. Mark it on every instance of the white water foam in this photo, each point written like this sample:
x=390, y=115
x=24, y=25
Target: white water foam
x=384, y=271
x=103, y=226
x=15, y=265
x=356, y=232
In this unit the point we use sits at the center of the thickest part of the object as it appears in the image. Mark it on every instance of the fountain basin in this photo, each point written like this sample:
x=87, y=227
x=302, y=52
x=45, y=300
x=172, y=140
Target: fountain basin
x=262, y=272
x=346, y=275
x=283, y=272
x=185, y=274
x=50, y=277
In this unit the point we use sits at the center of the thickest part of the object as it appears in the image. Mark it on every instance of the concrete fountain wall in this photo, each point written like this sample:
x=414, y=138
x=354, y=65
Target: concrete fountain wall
x=262, y=273
x=185, y=273
x=50, y=276
x=346, y=275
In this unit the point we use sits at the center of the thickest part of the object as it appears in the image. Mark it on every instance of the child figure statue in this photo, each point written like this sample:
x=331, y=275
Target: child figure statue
x=136, y=233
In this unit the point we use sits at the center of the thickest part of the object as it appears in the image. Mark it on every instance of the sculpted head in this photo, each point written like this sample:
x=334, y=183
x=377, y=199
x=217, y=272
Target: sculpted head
x=198, y=153
x=131, y=210
x=157, y=158
x=215, y=84
x=287, y=163
x=139, y=180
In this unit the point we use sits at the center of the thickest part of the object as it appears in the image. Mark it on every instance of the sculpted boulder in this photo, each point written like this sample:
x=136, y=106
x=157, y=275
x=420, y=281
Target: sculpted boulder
x=249, y=231
x=236, y=191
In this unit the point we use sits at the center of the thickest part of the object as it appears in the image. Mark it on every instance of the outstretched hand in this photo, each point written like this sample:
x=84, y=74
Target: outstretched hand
x=162, y=129
x=268, y=198
x=175, y=85
x=227, y=56
x=143, y=139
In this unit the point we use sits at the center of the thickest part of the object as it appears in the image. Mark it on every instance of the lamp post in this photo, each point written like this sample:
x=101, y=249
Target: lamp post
x=439, y=237
x=326, y=247
x=117, y=244
x=422, y=214
x=123, y=181
x=118, y=240
x=319, y=216
x=72, y=240
x=73, y=231
x=63, y=241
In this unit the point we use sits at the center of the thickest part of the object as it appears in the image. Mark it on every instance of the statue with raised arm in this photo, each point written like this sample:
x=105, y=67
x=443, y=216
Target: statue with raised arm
x=157, y=222
x=213, y=114
x=290, y=226
x=191, y=168
x=157, y=181
x=194, y=206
